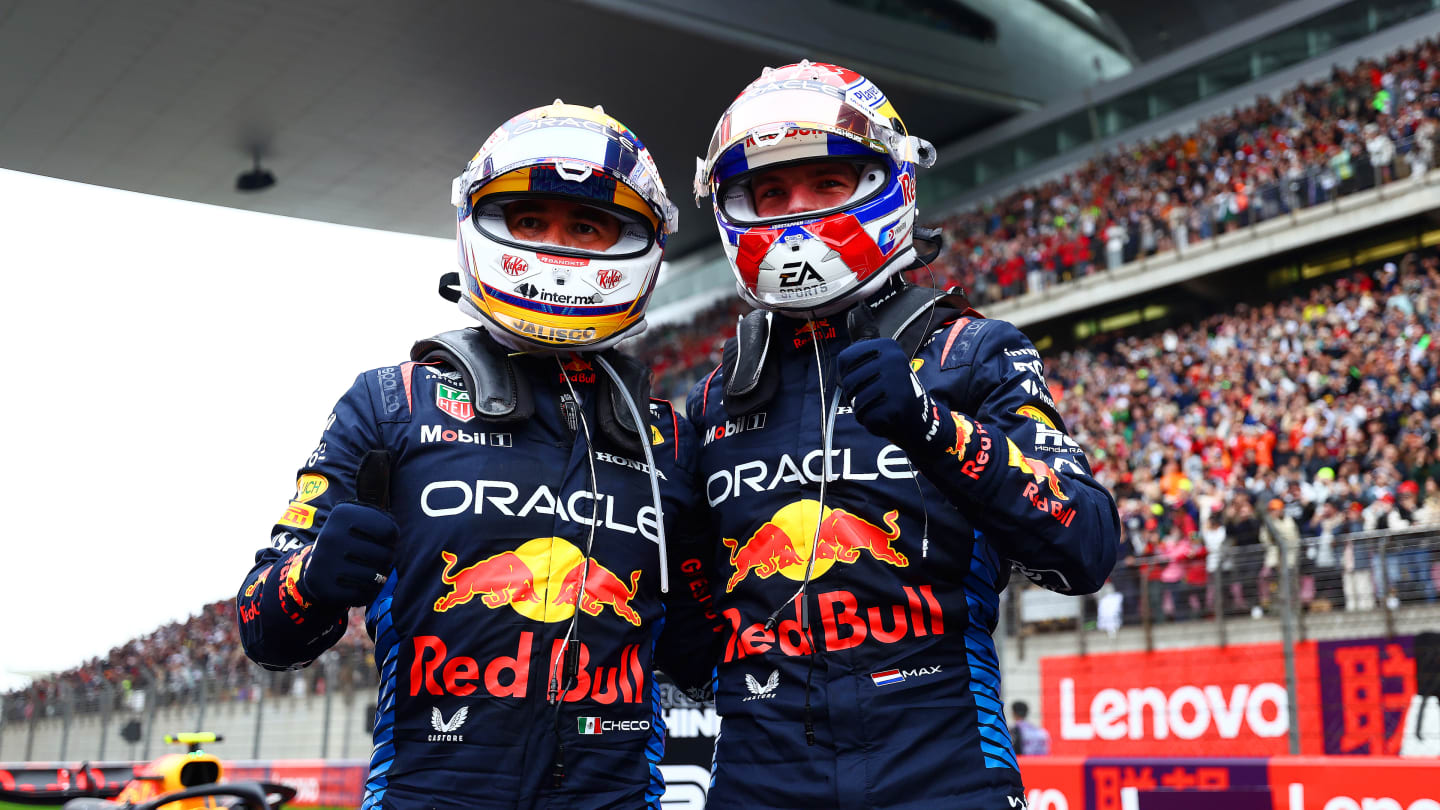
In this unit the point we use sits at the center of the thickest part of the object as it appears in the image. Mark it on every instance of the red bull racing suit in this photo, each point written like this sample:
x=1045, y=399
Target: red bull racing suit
x=909, y=560
x=494, y=522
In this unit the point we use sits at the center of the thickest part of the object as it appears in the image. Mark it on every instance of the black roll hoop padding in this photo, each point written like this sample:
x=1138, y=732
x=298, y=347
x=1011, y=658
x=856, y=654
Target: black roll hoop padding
x=497, y=392
x=750, y=381
x=500, y=392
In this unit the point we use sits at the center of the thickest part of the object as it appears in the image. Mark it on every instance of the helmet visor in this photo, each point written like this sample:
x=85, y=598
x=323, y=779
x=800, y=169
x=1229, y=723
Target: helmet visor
x=562, y=225
x=795, y=120
x=799, y=191
x=574, y=149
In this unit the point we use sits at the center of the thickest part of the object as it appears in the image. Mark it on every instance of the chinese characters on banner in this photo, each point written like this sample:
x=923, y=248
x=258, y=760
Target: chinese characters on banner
x=1365, y=688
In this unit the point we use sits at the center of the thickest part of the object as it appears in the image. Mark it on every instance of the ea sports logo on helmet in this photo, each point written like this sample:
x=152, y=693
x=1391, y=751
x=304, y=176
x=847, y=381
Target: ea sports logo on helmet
x=514, y=265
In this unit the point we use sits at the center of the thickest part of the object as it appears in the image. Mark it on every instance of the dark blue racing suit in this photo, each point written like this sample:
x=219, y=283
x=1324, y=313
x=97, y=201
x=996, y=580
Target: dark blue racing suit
x=904, y=697
x=494, y=521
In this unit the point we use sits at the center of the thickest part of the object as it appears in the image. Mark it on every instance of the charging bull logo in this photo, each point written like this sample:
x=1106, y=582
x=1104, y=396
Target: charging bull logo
x=602, y=588
x=1039, y=469
x=523, y=579
x=498, y=580
x=964, y=430
x=783, y=544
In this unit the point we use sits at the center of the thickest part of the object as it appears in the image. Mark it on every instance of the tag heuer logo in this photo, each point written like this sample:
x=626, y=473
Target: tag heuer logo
x=454, y=402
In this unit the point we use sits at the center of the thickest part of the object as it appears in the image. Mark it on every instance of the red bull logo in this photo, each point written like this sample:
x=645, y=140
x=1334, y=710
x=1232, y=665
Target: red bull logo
x=434, y=671
x=579, y=371
x=807, y=331
x=541, y=580
x=498, y=580
x=1037, y=468
x=601, y=588
x=783, y=544
x=1052, y=503
x=845, y=622
x=964, y=430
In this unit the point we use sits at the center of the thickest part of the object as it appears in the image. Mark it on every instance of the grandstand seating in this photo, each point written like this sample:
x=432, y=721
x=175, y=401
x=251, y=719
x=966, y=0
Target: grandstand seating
x=1373, y=123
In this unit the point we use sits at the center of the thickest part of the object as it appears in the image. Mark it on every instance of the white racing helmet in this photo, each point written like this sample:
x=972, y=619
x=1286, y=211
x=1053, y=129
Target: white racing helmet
x=815, y=262
x=543, y=295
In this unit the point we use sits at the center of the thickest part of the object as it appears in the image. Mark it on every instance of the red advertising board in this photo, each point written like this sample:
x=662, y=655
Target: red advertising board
x=1054, y=783
x=1198, y=701
x=1354, y=783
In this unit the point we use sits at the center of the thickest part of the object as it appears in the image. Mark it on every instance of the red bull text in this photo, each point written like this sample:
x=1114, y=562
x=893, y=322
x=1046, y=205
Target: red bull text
x=844, y=622
x=1053, y=503
x=435, y=672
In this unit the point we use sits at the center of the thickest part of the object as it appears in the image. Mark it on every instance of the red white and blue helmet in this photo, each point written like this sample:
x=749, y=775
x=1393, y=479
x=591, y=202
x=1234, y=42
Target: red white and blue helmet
x=544, y=296
x=816, y=262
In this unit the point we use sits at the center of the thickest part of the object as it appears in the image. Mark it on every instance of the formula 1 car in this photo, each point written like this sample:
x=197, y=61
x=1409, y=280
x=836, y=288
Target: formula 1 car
x=188, y=781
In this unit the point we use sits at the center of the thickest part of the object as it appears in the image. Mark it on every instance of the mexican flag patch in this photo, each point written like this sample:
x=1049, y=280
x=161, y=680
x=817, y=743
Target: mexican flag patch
x=588, y=725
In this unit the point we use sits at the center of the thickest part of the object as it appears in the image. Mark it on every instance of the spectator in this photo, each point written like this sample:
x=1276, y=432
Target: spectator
x=1029, y=739
x=1280, y=535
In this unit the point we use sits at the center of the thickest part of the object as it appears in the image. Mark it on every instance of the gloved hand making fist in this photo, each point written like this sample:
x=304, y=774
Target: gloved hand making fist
x=352, y=556
x=889, y=399
x=355, y=551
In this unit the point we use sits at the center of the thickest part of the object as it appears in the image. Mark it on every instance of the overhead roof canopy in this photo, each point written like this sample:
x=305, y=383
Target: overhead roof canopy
x=364, y=111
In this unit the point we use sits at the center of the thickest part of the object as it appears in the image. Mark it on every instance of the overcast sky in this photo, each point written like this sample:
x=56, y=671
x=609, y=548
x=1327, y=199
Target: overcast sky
x=167, y=368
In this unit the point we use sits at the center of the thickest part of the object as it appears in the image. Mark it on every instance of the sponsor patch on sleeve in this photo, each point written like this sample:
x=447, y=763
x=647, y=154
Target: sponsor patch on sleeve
x=310, y=486
x=298, y=515
x=1033, y=413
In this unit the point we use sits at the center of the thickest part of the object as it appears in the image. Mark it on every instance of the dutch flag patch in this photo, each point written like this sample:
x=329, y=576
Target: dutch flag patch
x=888, y=677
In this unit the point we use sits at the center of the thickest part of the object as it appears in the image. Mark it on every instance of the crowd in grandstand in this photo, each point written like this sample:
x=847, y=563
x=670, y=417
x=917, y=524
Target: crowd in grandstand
x=1279, y=429
x=1374, y=123
x=176, y=663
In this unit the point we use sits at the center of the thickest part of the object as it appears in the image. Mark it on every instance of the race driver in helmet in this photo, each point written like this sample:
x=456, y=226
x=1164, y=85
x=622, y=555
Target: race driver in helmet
x=507, y=505
x=876, y=458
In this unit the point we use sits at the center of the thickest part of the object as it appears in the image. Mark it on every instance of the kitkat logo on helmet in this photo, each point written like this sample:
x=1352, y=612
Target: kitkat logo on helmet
x=526, y=578
x=514, y=265
x=608, y=279
x=782, y=545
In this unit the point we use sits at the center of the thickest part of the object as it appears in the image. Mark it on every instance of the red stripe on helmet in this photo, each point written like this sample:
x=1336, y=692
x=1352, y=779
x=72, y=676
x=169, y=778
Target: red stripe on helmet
x=845, y=235
x=752, y=247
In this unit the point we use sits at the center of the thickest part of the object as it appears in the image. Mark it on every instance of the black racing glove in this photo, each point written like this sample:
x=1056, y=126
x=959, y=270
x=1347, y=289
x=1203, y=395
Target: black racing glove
x=887, y=396
x=889, y=399
x=355, y=551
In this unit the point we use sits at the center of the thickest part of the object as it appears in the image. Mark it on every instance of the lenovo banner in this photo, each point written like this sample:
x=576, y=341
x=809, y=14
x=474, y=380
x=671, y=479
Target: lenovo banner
x=1352, y=699
x=1200, y=701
